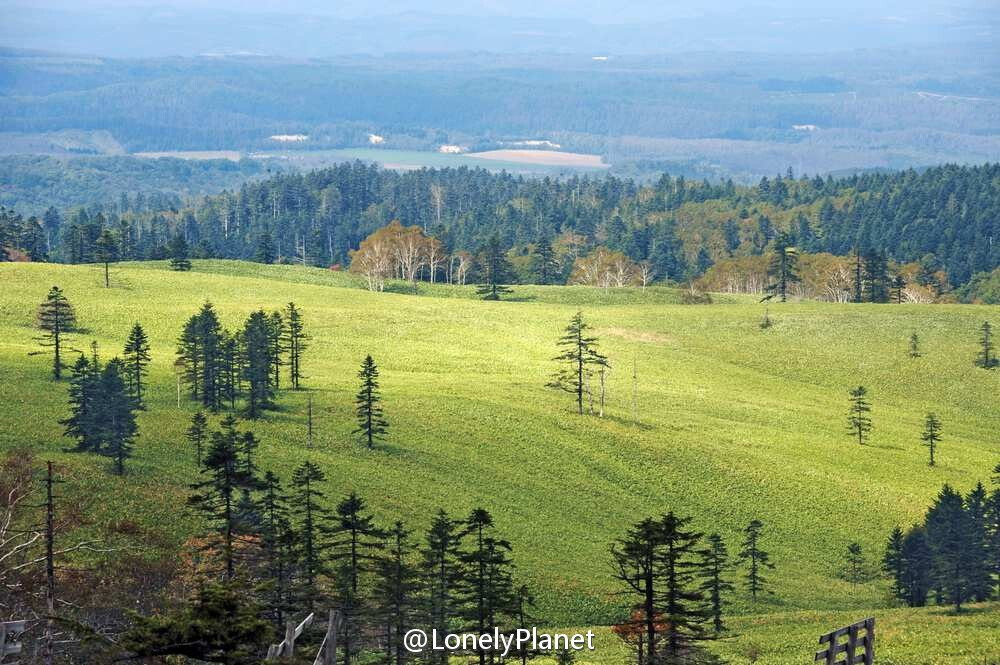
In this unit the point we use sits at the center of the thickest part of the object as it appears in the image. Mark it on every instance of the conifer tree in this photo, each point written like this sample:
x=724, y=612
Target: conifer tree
x=855, y=569
x=106, y=252
x=372, y=425
x=876, y=276
x=136, y=361
x=859, y=424
x=277, y=549
x=199, y=352
x=950, y=536
x=487, y=583
x=681, y=608
x=197, y=433
x=980, y=575
x=396, y=591
x=442, y=570
x=545, y=265
x=783, y=267
x=917, y=567
x=309, y=517
x=715, y=564
x=180, y=253
x=295, y=342
x=496, y=273
x=898, y=284
x=356, y=544
x=117, y=415
x=637, y=566
x=84, y=401
x=931, y=435
x=258, y=363
x=914, y=346
x=892, y=562
x=276, y=342
x=216, y=496
x=757, y=559
x=987, y=358
x=993, y=531
x=579, y=354
x=56, y=318
x=265, y=248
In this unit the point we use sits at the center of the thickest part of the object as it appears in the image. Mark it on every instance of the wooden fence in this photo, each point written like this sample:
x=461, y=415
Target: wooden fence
x=859, y=646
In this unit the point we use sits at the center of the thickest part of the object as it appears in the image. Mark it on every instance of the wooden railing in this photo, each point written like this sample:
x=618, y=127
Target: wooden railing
x=858, y=647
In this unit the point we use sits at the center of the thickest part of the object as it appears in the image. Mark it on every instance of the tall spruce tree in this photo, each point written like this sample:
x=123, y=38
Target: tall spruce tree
x=682, y=602
x=950, y=535
x=487, y=583
x=309, y=517
x=981, y=574
x=859, y=423
x=918, y=562
x=914, y=345
x=216, y=496
x=136, y=360
x=56, y=319
x=397, y=592
x=987, y=358
x=579, y=354
x=84, y=401
x=876, y=276
x=783, y=266
x=265, y=252
x=544, y=262
x=757, y=559
x=277, y=543
x=116, y=420
x=196, y=435
x=931, y=435
x=199, y=352
x=276, y=342
x=258, y=364
x=180, y=253
x=892, y=562
x=356, y=544
x=854, y=570
x=637, y=567
x=495, y=271
x=372, y=424
x=714, y=566
x=295, y=342
x=442, y=572
x=106, y=252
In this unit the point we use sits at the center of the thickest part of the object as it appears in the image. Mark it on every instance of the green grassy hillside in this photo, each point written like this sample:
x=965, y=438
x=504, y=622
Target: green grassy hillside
x=735, y=422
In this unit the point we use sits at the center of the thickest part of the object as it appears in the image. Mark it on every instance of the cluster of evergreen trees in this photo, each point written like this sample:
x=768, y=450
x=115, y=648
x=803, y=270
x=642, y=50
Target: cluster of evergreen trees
x=953, y=556
x=942, y=217
x=285, y=548
x=680, y=582
x=21, y=237
x=220, y=367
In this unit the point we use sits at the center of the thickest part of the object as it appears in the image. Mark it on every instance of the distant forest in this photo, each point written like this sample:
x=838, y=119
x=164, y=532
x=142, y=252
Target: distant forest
x=944, y=218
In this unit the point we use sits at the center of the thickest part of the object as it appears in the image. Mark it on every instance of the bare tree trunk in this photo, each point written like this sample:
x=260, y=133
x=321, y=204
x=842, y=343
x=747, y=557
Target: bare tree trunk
x=50, y=575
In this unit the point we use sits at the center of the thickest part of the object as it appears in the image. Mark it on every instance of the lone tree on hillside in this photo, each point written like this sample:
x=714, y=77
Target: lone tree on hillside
x=858, y=423
x=106, y=252
x=931, y=435
x=294, y=343
x=180, y=253
x=783, y=267
x=56, y=318
x=855, y=569
x=495, y=270
x=371, y=423
x=914, y=346
x=987, y=358
x=578, y=356
x=136, y=361
x=758, y=559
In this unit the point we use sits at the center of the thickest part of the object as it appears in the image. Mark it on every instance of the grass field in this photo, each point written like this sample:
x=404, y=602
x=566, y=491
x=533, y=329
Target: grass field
x=734, y=423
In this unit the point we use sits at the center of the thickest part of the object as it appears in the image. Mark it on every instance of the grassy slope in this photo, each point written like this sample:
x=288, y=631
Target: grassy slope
x=736, y=423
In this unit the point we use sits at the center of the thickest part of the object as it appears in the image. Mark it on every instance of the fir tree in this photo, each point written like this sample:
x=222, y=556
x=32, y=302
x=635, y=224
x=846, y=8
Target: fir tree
x=892, y=562
x=876, y=276
x=180, y=253
x=441, y=567
x=487, y=583
x=277, y=542
x=714, y=565
x=917, y=567
x=84, y=401
x=783, y=267
x=106, y=252
x=117, y=415
x=898, y=284
x=931, y=435
x=579, y=355
x=258, y=363
x=859, y=424
x=309, y=517
x=495, y=269
x=757, y=559
x=199, y=353
x=950, y=536
x=196, y=434
x=355, y=548
x=396, y=591
x=56, y=318
x=681, y=607
x=987, y=358
x=855, y=568
x=136, y=361
x=914, y=346
x=980, y=574
x=372, y=425
x=265, y=248
x=295, y=342
x=276, y=343
x=545, y=267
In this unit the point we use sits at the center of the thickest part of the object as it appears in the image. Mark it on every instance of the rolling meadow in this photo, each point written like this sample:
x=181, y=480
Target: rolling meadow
x=707, y=415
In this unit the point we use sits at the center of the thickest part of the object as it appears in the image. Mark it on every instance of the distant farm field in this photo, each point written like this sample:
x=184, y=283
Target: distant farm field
x=728, y=423
x=546, y=157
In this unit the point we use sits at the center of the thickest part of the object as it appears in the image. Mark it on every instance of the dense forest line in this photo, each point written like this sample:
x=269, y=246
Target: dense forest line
x=943, y=218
